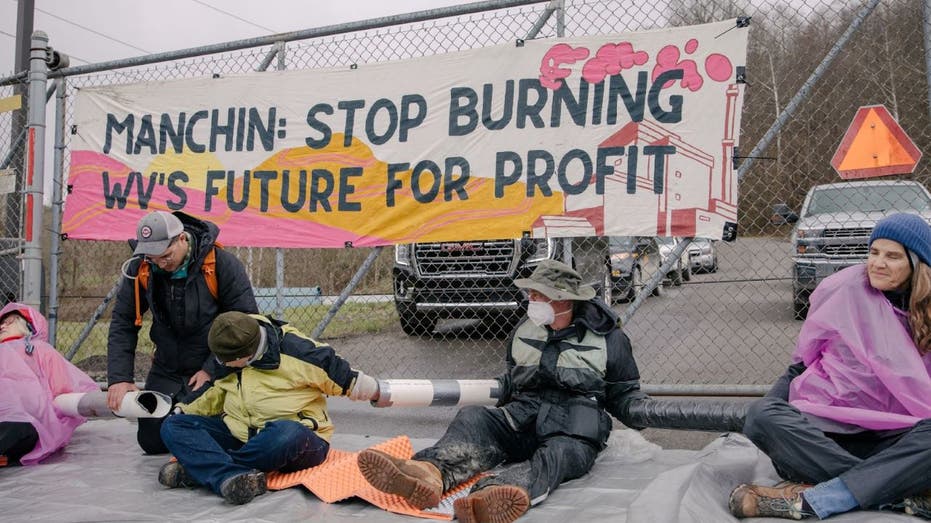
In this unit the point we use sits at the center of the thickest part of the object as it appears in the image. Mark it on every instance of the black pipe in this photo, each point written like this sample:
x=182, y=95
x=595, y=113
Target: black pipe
x=711, y=416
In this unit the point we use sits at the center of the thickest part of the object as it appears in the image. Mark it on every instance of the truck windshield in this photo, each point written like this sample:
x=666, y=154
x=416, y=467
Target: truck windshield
x=622, y=243
x=867, y=199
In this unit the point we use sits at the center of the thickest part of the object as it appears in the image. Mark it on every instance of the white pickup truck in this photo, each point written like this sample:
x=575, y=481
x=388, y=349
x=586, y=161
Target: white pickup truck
x=834, y=227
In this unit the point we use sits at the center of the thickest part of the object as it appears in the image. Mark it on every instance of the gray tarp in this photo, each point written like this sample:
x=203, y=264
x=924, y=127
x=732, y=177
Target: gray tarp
x=102, y=476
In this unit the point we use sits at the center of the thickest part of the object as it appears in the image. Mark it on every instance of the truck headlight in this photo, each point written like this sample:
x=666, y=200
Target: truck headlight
x=542, y=247
x=402, y=254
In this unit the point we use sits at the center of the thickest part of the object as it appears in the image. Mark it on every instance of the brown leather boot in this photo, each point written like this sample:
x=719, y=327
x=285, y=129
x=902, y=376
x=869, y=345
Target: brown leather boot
x=419, y=482
x=918, y=505
x=782, y=501
x=492, y=504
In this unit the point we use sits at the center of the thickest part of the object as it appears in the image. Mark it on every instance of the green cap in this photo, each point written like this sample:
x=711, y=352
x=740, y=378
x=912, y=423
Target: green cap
x=557, y=281
x=233, y=335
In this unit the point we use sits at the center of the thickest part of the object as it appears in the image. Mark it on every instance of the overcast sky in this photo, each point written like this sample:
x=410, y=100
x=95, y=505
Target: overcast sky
x=92, y=31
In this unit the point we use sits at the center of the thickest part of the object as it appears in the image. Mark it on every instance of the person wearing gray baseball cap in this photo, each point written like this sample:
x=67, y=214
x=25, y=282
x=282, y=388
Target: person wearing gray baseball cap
x=568, y=366
x=180, y=275
x=156, y=232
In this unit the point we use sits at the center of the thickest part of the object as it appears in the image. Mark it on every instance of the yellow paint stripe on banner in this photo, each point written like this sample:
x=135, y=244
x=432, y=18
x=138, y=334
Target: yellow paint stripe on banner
x=11, y=103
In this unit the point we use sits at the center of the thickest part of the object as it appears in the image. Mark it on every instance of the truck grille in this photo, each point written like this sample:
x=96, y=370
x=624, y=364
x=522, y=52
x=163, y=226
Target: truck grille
x=489, y=258
x=850, y=249
x=848, y=233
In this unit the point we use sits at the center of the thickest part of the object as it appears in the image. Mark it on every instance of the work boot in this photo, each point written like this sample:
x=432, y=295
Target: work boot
x=782, y=501
x=918, y=505
x=243, y=488
x=492, y=504
x=173, y=475
x=419, y=482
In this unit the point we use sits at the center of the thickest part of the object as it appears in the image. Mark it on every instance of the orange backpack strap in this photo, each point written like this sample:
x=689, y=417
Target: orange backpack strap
x=142, y=280
x=209, y=268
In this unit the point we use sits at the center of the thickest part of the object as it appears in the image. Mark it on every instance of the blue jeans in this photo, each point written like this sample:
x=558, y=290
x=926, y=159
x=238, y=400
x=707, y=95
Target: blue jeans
x=210, y=453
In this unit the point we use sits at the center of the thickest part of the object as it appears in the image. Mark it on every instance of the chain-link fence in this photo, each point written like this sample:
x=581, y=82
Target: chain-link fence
x=723, y=319
x=12, y=135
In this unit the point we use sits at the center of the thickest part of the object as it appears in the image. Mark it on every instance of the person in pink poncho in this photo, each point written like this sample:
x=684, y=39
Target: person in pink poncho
x=849, y=424
x=32, y=373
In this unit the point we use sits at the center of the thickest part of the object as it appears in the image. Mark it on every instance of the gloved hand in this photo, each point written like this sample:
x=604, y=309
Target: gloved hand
x=365, y=388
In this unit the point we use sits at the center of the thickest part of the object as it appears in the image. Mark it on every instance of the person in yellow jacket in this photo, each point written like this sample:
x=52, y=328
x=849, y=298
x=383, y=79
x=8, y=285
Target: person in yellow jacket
x=269, y=414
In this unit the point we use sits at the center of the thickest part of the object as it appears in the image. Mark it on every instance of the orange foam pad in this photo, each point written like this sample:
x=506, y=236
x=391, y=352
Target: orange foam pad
x=339, y=478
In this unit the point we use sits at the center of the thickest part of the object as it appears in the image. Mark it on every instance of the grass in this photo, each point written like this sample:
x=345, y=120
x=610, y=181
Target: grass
x=352, y=318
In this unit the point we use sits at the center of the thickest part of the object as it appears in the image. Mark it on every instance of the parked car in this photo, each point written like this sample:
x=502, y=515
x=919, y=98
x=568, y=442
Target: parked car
x=703, y=255
x=634, y=260
x=682, y=268
x=834, y=226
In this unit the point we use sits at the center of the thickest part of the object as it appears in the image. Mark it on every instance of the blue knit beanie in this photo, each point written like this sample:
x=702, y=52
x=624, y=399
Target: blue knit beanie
x=911, y=230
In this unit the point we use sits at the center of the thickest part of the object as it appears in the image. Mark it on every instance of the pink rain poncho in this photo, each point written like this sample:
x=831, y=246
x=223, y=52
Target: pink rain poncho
x=29, y=383
x=862, y=366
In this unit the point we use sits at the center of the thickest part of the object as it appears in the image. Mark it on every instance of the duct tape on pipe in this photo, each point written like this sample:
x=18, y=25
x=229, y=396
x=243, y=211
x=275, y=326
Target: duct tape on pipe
x=436, y=393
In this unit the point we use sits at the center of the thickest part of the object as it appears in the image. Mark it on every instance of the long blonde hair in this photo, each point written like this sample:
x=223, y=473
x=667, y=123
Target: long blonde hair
x=919, y=307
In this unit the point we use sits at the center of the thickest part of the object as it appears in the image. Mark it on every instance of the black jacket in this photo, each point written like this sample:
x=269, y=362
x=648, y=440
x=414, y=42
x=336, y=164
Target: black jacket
x=561, y=382
x=182, y=310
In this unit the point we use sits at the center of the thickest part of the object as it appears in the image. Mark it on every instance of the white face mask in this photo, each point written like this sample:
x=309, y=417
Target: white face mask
x=540, y=313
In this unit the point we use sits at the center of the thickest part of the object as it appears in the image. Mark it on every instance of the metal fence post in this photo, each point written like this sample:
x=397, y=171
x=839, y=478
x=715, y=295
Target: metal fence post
x=356, y=278
x=655, y=281
x=544, y=16
x=279, y=252
x=35, y=165
x=805, y=90
x=98, y=313
x=57, y=183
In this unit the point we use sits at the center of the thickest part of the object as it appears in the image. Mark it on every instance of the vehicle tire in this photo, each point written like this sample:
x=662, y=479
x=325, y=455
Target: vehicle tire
x=659, y=290
x=800, y=310
x=636, y=283
x=676, y=277
x=714, y=266
x=687, y=272
x=607, y=286
x=417, y=323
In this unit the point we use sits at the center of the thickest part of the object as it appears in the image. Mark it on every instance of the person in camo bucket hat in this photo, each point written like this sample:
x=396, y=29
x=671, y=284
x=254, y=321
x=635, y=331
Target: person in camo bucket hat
x=550, y=422
x=557, y=281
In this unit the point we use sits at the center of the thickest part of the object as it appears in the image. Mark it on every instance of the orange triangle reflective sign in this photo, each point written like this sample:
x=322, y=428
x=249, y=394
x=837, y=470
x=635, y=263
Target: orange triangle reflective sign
x=874, y=145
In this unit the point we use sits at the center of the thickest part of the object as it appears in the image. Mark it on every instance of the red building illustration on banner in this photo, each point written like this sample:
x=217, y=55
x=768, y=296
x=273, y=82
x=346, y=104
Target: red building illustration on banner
x=696, y=186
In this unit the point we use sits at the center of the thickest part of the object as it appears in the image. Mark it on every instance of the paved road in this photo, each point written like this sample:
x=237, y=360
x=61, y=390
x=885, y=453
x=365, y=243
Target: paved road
x=731, y=327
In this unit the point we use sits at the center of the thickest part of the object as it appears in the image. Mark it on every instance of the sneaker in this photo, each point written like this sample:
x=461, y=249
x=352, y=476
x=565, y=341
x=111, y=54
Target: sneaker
x=755, y=501
x=918, y=505
x=173, y=475
x=243, y=488
x=492, y=504
x=419, y=482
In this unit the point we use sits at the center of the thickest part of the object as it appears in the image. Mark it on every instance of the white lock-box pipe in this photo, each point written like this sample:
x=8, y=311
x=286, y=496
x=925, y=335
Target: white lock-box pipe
x=135, y=404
